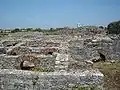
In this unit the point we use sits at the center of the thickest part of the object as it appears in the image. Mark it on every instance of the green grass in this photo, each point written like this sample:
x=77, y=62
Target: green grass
x=88, y=87
x=42, y=70
x=111, y=73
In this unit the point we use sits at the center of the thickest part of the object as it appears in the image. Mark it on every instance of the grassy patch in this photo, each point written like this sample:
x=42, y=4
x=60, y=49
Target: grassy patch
x=111, y=72
x=51, y=32
x=85, y=87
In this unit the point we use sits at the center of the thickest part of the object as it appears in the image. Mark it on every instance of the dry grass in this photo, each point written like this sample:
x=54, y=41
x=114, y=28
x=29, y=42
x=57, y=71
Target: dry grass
x=111, y=72
x=88, y=87
x=41, y=70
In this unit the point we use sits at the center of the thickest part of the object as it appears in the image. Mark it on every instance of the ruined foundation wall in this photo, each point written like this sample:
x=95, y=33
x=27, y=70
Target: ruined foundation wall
x=12, y=62
x=27, y=80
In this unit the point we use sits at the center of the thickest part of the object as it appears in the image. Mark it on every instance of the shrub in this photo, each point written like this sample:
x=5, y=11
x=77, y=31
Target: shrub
x=15, y=30
x=114, y=28
x=101, y=27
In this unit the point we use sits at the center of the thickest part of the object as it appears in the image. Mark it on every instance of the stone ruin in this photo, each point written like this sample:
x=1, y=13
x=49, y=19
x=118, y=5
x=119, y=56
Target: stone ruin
x=54, y=62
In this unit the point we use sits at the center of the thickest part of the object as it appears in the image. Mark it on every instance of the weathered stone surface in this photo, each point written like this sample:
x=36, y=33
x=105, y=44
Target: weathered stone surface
x=8, y=43
x=40, y=62
x=2, y=50
x=26, y=59
x=91, y=45
x=41, y=43
x=20, y=50
x=79, y=47
x=62, y=62
x=8, y=62
x=46, y=62
x=27, y=80
x=28, y=64
x=75, y=50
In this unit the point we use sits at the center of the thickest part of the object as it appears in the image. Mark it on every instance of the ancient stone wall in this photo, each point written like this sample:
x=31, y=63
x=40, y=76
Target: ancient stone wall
x=27, y=80
x=41, y=62
x=7, y=62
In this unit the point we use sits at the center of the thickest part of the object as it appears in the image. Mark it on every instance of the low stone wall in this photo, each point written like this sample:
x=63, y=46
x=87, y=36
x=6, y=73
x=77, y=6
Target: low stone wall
x=46, y=63
x=21, y=50
x=27, y=80
x=8, y=43
x=40, y=43
x=7, y=62
x=13, y=62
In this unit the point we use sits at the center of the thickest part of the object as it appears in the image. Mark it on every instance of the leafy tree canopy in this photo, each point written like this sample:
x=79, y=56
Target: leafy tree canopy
x=114, y=27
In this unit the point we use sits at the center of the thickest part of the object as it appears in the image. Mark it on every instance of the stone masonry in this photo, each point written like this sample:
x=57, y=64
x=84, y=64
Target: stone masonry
x=59, y=61
x=27, y=80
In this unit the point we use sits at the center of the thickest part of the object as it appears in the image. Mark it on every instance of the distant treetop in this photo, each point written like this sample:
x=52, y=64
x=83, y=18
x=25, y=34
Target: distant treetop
x=114, y=27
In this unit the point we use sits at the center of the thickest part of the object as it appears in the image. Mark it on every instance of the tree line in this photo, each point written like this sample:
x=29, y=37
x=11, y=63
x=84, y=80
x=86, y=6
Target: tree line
x=112, y=28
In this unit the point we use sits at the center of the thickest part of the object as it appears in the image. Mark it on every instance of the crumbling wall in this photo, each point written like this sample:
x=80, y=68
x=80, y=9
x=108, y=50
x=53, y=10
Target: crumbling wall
x=62, y=62
x=7, y=62
x=46, y=63
x=27, y=80
x=40, y=62
x=21, y=50
x=9, y=43
x=29, y=50
x=90, y=47
x=41, y=43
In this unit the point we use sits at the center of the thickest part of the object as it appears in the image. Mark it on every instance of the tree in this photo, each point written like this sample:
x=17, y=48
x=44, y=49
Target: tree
x=38, y=29
x=51, y=29
x=29, y=29
x=101, y=27
x=114, y=28
x=15, y=30
x=1, y=31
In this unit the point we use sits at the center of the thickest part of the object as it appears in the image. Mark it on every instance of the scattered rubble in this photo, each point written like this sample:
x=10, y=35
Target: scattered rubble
x=26, y=65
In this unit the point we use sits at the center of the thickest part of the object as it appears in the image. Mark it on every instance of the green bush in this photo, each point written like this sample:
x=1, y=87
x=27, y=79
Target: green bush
x=101, y=27
x=15, y=30
x=87, y=87
x=114, y=28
